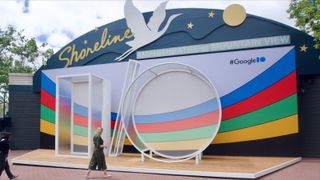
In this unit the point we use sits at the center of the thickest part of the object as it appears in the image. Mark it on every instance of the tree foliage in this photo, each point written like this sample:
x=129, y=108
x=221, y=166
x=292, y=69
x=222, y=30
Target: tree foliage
x=307, y=17
x=19, y=54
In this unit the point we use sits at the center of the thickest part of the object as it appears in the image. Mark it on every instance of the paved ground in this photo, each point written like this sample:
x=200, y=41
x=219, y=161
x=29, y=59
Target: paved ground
x=307, y=169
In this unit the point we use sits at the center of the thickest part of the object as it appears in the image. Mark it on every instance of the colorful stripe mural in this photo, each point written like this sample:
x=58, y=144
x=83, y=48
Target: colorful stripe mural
x=263, y=107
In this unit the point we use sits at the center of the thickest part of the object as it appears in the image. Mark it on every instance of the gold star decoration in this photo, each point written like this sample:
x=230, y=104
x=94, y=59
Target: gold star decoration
x=190, y=25
x=85, y=42
x=96, y=29
x=211, y=14
x=303, y=48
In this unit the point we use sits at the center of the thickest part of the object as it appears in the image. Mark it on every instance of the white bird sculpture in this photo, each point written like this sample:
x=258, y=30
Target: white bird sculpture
x=144, y=33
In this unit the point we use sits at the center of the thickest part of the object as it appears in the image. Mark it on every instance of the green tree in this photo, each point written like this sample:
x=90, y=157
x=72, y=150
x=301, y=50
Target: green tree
x=307, y=17
x=19, y=54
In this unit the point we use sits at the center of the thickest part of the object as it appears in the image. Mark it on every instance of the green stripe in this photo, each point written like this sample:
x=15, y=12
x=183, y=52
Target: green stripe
x=278, y=110
x=65, y=124
x=111, y=132
x=47, y=114
x=80, y=131
x=190, y=134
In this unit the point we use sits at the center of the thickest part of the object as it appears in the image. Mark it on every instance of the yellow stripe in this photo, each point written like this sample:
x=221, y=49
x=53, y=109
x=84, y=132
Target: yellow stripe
x=277, y=128
x=127, y=142
x=179, y=145
x=47, y=127
x=281, y=127
x=79, y=140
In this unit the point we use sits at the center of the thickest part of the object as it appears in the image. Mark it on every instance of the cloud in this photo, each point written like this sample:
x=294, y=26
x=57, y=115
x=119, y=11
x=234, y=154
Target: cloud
x=26, y=6
x=53, y=18
x=58, y=40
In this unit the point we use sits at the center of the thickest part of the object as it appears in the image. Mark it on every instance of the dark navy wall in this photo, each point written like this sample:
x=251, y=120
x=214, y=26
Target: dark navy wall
x=24, y=110
x=309, y=115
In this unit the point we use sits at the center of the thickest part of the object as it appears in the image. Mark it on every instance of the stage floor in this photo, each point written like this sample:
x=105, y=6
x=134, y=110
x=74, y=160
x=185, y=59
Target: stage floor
x=209, y=166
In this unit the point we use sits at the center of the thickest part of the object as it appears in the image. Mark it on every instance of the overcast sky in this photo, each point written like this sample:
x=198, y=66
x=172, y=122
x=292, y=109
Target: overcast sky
x=58, y=22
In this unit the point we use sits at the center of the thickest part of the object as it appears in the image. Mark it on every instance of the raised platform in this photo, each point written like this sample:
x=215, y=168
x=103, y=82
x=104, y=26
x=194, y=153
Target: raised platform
x=209, y=166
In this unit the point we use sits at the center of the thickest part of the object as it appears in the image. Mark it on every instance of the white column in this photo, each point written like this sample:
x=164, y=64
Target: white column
x=57, y=119
x=90, y=116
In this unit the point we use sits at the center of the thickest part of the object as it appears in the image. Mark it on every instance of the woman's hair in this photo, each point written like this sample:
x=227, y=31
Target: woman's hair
x=99, y=130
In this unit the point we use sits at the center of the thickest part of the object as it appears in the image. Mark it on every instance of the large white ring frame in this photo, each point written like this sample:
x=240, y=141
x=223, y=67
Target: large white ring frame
x=181, y=68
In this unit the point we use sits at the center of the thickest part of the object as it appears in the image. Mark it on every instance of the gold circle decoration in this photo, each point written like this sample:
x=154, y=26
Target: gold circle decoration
x=234, y=15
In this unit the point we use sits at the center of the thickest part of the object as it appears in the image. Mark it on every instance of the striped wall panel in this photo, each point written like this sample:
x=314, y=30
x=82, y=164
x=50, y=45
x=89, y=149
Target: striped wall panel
x=263, y=108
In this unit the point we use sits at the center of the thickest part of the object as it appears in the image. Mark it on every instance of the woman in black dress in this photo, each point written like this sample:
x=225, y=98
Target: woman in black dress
x=98, y=159
x=4, y=151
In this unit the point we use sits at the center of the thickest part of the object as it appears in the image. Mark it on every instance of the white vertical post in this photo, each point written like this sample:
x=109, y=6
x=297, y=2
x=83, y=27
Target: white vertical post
x=118, y=137
x=72, y=118
x=90, y=116
x=106, y=112
x=197, y=159
x=150, y=153
x=57, y=119
x=103, y=114
x=142, y=157
x=134, y=65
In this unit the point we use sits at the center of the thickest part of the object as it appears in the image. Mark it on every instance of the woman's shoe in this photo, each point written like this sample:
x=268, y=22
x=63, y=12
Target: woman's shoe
x=107, y=176
x=14, y=177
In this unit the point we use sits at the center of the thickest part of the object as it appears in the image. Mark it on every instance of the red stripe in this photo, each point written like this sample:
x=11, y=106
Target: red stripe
x=65, y=109
x=274, y=93
x=83, y=121
x=48, y=100
x=113, y=124
x=80, y=120
x=188, y=123
x=95, y=125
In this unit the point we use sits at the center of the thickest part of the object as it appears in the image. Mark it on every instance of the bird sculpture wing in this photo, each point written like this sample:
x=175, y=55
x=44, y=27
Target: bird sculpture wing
x=134, y=18
x=157, y=17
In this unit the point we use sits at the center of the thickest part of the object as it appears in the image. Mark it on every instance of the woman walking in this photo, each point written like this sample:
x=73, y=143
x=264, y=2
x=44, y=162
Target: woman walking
x=98, y=159
x=4, y=152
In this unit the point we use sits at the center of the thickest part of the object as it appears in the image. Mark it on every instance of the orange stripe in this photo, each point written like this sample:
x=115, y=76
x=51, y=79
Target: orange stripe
x=188, y=123
x=83, y=121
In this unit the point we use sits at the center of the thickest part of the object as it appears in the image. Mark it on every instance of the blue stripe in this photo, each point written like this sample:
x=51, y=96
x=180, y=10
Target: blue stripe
x=80, y=110
x=65, y=88
x=48, y=85
x=200, y=109
x=272, y=75
x=66, y=101
x=83, y=111
x=113, y=116
x=96, y=115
